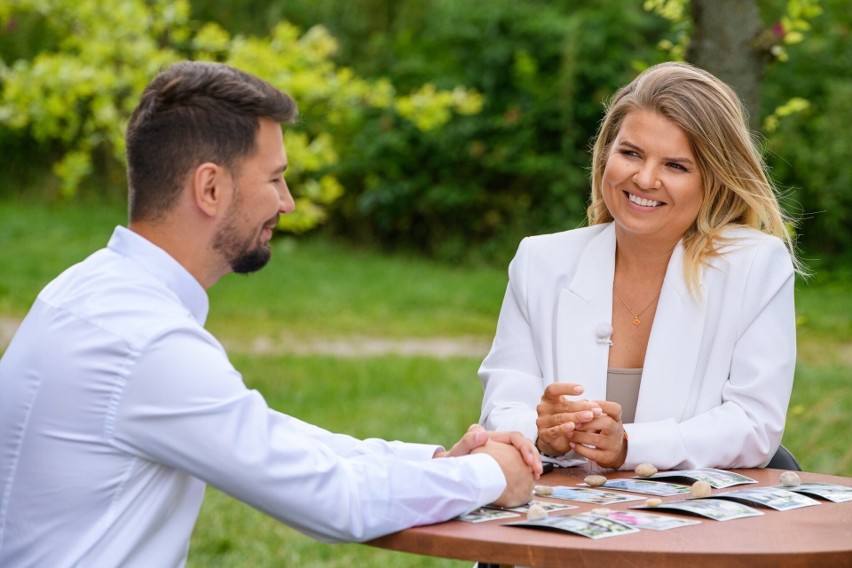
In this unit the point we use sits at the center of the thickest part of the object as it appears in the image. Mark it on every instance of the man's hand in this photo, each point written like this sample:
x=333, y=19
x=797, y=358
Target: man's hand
x=524, y=445
x=559, y=416
x=516, y=455
x=476, y=436
x=520, y=479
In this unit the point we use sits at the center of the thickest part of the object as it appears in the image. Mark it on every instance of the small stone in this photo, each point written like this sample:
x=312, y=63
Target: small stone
x=602, y=511
x=536, y=512
x=654, y=502
x=790, y=479
x=645, y=470
x=700, y=489
x=595, y=480
x=543, y=490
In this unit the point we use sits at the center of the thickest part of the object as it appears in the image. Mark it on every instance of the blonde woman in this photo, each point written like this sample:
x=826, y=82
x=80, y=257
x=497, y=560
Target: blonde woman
x=664, y=332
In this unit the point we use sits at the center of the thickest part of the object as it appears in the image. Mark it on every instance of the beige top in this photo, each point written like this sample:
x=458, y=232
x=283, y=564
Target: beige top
x=622, y=386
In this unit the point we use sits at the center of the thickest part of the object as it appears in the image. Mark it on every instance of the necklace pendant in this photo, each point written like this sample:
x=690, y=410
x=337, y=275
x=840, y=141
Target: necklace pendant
x=636, y=321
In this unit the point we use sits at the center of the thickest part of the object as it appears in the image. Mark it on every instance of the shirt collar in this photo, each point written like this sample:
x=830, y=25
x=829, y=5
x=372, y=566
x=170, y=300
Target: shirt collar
x=164, y=268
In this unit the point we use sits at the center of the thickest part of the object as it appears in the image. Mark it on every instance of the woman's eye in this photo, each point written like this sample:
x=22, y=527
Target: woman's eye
x=678, y=167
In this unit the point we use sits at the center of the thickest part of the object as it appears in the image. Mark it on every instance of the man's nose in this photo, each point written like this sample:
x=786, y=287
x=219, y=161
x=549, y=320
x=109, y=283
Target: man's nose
x=287, y=204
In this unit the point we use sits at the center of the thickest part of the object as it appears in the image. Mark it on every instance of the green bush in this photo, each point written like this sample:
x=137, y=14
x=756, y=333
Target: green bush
x=809, y=150
x=520, y=166
x=80, y=66
x=385, y=123
x=544, y=67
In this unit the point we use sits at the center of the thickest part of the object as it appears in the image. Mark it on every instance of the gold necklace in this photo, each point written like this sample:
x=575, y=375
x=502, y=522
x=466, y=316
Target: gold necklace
x=636, y=320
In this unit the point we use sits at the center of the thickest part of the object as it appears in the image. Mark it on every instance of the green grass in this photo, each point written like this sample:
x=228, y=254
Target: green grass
x=418, y=399
x=310, y=289
x=37, y=241
x=315, y=289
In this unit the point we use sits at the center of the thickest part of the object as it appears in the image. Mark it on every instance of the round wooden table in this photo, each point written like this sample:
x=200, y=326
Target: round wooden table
x=808, y=537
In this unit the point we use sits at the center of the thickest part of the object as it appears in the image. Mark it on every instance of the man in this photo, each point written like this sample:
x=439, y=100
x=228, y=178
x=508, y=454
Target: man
x=117, y=406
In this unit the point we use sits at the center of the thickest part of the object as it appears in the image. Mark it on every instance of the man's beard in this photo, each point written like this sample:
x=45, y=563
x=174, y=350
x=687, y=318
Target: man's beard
x=244, y=255
x=251, y=260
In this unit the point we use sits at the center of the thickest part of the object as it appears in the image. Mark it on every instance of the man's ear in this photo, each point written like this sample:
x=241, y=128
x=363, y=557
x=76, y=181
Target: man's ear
x=209, y=183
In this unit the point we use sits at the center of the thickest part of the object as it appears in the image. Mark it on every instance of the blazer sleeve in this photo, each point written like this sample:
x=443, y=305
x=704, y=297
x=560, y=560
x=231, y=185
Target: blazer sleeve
x=737, y=407
x=511, y=375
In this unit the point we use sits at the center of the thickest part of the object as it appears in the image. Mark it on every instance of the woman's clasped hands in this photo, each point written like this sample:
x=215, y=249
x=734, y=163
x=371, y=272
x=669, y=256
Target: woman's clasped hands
x=592, y=429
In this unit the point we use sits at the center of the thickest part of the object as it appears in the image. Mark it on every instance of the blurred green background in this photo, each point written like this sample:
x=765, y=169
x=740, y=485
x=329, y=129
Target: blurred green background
x=434, y=134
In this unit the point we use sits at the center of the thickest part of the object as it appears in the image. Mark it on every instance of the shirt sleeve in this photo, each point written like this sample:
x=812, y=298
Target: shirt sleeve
x=185, y=406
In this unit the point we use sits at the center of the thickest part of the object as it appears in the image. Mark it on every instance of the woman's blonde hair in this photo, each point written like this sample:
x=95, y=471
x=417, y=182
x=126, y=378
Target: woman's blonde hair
x=737, y=190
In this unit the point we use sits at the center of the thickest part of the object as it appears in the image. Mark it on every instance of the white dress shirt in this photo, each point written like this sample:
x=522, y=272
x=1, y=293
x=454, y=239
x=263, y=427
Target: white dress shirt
x=117, y=406
x=719, y=365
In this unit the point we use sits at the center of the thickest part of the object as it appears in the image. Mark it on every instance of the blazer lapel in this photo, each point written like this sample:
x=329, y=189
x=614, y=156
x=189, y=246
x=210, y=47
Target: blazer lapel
x=673, y=348
x=582, y=309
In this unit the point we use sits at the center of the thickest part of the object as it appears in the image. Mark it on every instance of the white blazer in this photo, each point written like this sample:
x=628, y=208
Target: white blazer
x=718, y=371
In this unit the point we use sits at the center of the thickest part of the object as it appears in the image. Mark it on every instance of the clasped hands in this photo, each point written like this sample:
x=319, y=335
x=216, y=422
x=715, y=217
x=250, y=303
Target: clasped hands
x=593, y=429
x=516, y=455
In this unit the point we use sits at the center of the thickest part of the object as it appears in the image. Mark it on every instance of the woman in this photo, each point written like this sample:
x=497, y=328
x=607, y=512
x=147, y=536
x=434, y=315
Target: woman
x=672, y=313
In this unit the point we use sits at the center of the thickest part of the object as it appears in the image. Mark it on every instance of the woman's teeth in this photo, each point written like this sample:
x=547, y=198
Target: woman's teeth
x=642, y=201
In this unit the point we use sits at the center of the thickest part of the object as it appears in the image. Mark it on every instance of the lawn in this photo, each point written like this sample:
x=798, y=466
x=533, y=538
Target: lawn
x=278, y=323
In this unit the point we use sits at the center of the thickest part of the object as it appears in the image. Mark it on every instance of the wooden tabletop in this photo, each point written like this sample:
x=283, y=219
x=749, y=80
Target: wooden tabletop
x=808, y=537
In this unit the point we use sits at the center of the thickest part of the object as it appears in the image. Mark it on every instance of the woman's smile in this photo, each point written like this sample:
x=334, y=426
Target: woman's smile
x=641, y=201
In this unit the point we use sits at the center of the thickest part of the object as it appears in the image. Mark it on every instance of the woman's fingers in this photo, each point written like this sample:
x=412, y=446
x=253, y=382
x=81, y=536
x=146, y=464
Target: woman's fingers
x=556, y=440
x=602, y=440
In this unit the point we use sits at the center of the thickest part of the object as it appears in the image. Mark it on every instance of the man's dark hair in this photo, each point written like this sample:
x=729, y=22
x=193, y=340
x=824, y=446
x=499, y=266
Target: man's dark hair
x=194, y=112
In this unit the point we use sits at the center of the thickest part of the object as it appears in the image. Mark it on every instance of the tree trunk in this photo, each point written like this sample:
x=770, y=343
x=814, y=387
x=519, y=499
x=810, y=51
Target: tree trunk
x=723, y=43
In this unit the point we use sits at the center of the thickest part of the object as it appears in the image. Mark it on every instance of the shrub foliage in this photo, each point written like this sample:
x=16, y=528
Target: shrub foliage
x=75, y=86
x=450, y=127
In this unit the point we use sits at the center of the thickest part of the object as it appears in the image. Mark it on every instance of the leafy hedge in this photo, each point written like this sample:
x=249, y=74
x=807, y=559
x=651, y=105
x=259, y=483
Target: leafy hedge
x=544, y=67
x=809, y=151
x=475, y=186
x=450, y=127
x=73, y=71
